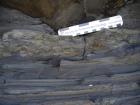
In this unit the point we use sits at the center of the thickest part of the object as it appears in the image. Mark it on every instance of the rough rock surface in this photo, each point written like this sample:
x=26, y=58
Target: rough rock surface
x=94, y=7
x=58, y=13
x=32, y=43
x=50, y=68
x=12, y=19
x=62, y=13
x=101, y=68
x=131, y=16
x=107, y=43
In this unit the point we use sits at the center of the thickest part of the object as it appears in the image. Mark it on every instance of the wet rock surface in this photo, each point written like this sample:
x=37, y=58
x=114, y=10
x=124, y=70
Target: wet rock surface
x=101, y=68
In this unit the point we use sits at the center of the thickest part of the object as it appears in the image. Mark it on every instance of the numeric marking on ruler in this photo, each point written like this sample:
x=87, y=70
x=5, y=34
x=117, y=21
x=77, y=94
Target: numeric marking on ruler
x=92, y=26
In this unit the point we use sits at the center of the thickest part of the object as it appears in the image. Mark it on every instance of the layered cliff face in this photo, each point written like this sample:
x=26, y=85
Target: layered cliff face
x=38, y=67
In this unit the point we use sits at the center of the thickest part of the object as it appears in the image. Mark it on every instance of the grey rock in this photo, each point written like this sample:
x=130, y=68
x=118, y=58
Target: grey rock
x=36, y=68
x=119, y=42
x=114, y=79
x=33, y=43
x=13, y=19
x=131, y=16
x=16, y=17
x=121, y=100
x=95, y=68
x=68, y=93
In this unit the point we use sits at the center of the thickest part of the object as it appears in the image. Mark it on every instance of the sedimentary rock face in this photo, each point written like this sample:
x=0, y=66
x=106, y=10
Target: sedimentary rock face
x=38, y=67
x=58, y=12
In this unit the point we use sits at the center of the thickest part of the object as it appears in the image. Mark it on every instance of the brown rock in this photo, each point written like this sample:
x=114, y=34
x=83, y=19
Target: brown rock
x=54, y=11
x=94, y=7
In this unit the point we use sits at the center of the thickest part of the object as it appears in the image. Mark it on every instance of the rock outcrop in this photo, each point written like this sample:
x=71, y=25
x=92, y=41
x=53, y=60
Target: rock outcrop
x=62, y=13
x=101, y=68
x=94, y=8
x=13, y=19
x=31, y=43
x=131, y=16
x=59, y=13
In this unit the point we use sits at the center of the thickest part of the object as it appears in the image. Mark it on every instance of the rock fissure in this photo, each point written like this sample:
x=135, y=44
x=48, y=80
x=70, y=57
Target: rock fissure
x=84, y=50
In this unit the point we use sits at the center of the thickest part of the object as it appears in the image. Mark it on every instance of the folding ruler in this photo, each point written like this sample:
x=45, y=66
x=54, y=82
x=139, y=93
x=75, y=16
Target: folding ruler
x=92, y=26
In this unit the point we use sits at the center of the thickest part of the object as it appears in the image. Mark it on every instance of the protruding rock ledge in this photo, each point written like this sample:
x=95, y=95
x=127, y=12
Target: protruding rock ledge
x=32, y=43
